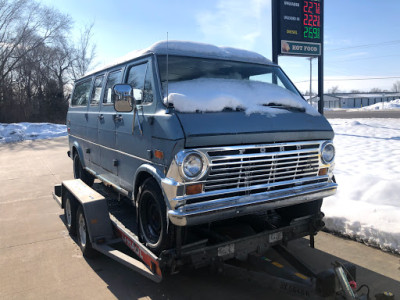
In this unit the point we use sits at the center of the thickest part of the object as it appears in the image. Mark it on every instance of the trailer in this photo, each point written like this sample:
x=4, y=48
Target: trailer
x=105, y=223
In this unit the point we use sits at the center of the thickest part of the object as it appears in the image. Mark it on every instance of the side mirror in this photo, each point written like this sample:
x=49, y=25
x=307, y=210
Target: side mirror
x=122, y=97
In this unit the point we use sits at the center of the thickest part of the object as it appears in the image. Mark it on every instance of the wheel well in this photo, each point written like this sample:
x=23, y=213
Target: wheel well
x=141, y=177
x=74, y=151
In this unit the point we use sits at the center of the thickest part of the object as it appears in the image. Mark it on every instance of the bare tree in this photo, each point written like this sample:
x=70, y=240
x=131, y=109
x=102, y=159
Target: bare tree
x=396, y=86
x=333, y=90
x=84, y=53
x=376, y=90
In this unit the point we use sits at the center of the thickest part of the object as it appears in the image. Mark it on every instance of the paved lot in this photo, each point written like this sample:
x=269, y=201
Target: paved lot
x=38, y=259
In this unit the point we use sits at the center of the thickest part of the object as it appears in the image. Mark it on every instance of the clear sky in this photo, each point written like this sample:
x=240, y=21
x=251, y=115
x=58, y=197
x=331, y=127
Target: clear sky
x=362, y=37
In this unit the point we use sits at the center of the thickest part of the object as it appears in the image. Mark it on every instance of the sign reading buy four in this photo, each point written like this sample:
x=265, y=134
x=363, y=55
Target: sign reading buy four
x=300, y=27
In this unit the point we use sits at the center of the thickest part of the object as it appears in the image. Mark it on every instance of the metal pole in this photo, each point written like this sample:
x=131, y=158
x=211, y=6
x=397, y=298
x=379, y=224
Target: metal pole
x=310, y=58
x=321, y=67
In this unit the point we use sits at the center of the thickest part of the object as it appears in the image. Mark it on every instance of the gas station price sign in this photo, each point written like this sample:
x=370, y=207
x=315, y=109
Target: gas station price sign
x=299, y=27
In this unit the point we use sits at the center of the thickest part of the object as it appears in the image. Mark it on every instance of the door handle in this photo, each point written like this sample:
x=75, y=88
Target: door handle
x=118, y=118
x=101, y=117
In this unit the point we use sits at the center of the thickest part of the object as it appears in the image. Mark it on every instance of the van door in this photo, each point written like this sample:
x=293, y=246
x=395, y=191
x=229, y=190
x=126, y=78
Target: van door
x=106, y=129
x=133, y=138
x=93, y=123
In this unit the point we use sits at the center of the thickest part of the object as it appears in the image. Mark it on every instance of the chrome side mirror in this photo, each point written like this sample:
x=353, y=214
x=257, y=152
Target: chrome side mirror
x=122, y=95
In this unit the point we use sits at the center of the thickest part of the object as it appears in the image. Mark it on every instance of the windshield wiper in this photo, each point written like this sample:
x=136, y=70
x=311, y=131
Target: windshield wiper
x=288, y=107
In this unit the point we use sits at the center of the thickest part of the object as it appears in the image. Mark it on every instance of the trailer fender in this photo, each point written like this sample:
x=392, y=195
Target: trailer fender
x=94, y=207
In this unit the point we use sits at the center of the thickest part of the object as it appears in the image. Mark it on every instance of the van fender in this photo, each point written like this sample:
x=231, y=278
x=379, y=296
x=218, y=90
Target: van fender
x=144, y=171
x=78, y=149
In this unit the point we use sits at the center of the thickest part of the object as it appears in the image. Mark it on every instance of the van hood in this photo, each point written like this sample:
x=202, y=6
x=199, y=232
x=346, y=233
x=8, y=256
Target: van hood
x=238, y=128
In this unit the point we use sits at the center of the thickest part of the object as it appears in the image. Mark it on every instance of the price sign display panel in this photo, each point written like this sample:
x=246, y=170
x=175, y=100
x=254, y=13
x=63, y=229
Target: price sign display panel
x=299, y=26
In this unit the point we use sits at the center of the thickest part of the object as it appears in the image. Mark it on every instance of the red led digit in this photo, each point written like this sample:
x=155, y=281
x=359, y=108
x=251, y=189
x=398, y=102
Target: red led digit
x=318, y=8
x=310, y=20
x=310, y=7
x=314, y=20
x=305, y=19
x=305, y=6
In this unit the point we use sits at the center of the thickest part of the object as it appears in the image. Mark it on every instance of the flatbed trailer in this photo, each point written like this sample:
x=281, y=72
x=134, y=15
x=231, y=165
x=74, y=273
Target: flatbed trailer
x=103, y=222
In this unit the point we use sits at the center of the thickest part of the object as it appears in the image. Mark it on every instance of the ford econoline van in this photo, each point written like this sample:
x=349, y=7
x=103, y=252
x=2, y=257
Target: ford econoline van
x=195, y=134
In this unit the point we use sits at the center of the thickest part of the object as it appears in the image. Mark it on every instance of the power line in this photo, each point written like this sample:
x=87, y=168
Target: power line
x=366, y=45
x=354, y=79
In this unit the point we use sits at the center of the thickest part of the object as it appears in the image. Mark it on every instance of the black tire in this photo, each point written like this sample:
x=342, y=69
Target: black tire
x=300, y=210
x=153, y=218
x=70, y=214
x=83, y=235
x=80, y=172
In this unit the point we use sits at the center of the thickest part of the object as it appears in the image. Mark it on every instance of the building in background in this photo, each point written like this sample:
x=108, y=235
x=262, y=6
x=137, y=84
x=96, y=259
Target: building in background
x=354, y=100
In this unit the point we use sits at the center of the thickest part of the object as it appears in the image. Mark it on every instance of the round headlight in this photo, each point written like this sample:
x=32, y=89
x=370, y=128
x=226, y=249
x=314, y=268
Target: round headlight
x=192, y=165
x=327, y=153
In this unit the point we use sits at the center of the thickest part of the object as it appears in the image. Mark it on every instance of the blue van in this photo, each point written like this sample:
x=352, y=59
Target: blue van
x=194, y=134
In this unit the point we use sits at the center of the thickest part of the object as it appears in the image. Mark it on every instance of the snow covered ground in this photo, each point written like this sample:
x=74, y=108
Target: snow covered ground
x=367, y=205
x=16, y=132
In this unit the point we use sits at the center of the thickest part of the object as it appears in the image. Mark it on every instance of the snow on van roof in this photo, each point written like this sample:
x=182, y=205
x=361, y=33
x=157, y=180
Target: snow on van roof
x=186, y=48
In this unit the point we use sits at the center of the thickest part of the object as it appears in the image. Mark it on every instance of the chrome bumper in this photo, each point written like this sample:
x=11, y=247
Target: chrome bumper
x=220, y=209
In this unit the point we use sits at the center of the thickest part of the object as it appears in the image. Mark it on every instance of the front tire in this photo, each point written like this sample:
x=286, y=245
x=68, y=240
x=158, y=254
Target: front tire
x=83, y=234
x=153, y=218
x=81, y=173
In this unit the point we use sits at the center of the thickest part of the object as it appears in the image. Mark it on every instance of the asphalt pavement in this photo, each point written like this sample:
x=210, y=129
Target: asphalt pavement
x=39, y=260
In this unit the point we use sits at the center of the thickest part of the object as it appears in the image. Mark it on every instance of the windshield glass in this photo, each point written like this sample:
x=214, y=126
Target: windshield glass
x=181, y=68
x=211, y=85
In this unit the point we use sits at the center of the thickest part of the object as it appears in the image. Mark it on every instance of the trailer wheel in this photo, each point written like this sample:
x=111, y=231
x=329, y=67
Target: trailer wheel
x=70, y=214
x=152, y=218
x=80, y=172
x=83, y=235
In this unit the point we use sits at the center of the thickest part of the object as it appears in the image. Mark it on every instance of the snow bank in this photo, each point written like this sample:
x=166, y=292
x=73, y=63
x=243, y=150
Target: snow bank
x=394, y=104
x=367, y=205
x=17, y=132
x=215, y=94
x=190, y=49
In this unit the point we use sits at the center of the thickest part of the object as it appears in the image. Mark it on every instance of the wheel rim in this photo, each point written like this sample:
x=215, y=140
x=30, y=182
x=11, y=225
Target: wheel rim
x=68, y=212
x=151, y=220
x=82, y=230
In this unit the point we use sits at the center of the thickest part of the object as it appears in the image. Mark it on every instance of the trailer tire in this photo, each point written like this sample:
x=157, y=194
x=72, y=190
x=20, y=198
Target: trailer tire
x=70, y=214
x=80, y=172
x=83, y=234
x=153, y=218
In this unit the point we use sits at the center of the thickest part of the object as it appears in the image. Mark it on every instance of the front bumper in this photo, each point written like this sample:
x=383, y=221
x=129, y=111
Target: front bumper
x=220, y=209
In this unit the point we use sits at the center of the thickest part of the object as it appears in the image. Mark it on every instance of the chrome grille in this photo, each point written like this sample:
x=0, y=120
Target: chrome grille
x=252, y=167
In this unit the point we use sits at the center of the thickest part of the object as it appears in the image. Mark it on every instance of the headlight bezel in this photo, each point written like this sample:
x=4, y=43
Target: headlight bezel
x=183, y=156
x=324, y=148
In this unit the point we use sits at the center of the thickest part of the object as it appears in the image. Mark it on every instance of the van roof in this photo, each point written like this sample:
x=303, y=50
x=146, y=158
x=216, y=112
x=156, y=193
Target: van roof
x=193, y=49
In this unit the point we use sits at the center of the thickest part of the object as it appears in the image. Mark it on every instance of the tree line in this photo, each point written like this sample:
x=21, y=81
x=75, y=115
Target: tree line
x=38, y=61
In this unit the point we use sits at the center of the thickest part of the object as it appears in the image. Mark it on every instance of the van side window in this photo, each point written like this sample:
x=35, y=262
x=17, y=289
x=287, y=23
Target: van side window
x=113, y=78
x=81, y=93
x=96, y=93
x=139, y=77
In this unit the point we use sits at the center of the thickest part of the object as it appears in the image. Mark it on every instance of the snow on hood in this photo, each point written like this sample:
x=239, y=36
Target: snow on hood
x=215, y=94
x=187, y=48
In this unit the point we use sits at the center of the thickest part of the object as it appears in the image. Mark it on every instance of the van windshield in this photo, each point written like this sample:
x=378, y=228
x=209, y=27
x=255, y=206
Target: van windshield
x=200, y=84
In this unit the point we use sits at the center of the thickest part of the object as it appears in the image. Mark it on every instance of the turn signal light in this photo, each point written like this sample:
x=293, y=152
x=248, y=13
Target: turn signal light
x=323, y=171
x=194, y=189
x=159, y=154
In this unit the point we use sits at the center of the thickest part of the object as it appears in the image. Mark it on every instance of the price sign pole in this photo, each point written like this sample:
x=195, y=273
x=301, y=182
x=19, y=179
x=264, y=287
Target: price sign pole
x=297, y=30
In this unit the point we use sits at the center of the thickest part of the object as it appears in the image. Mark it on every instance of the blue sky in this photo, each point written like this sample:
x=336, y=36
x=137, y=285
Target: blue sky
x=362, y=37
